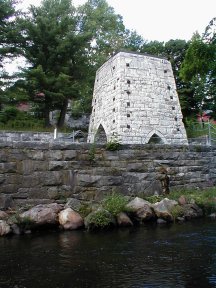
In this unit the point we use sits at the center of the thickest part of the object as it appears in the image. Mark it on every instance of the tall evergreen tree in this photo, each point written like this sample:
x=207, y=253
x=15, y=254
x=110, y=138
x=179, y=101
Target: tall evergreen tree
x=56, y=55
x=9, y=40
x=8, y=30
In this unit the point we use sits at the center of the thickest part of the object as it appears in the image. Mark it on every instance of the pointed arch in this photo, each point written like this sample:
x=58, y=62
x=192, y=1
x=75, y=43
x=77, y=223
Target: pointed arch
x=100, y=135
x=155, y=137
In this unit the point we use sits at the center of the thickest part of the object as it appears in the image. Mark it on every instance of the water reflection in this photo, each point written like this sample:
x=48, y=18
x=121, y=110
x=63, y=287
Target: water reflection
x=166, y=256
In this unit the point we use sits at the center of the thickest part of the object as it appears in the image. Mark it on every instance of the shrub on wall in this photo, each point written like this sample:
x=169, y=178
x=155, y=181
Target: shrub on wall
x=115, y=204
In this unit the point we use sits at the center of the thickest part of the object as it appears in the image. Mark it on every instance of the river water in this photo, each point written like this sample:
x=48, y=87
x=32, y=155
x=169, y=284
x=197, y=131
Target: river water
x=148, y=256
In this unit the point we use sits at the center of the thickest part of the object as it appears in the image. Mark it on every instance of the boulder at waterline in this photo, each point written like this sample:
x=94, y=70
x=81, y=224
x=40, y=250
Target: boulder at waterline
x=4, y=228
x=163, y=209
x=182, y=200
x=141, y=209
x=15, y=229
x=191, y=211
x=124, y=220
x=70, y=220
x=99, y=219
x=161, y=221
x=43, y=214
x=137, y=203
x=212, y=216
x=3, y=215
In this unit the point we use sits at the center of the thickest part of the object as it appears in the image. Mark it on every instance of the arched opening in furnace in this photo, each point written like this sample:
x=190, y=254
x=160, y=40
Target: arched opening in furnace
x=155, y=139
x=100, y=136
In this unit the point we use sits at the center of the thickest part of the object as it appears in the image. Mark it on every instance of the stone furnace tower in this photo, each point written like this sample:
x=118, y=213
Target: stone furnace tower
x=135, y=102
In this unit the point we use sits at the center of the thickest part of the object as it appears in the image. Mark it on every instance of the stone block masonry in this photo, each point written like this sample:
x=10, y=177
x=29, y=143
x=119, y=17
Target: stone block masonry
x=32, y=173
x=135, y=102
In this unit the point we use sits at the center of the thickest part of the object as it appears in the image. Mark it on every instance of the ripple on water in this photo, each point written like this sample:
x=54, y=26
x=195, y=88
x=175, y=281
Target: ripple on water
x=177, y=256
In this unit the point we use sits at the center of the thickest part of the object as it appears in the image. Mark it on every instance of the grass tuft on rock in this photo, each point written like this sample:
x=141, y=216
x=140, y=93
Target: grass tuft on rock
x=205, y=199
x=115, y=204
x=100, y=219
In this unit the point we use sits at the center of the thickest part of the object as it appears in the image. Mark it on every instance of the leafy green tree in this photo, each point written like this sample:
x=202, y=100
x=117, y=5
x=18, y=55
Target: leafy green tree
x=155, y=48
x=105, y=28
x=209, y=37
x=133, y=41
x=199, y=68
x=55, y=53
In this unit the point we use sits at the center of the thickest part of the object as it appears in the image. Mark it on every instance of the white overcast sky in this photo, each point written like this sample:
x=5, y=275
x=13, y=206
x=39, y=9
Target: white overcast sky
x=161, y=20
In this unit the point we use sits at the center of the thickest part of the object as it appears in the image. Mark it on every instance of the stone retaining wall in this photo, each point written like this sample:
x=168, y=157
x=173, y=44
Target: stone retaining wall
x=24, y=136
x=32, y=172
x=6, y=136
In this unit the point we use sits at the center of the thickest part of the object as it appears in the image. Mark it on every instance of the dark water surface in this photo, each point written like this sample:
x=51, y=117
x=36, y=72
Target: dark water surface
x=166, y=256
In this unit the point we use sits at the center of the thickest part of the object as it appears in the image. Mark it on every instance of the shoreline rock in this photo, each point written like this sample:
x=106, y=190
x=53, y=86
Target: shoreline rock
x=137, y=211
x=70, y=219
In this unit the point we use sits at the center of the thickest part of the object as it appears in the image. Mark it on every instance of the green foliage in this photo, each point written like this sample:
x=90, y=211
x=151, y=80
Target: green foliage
x=24, y=223
x=199, y=69
x=84, y=210
x=113, y=145
x=56, y=54
x=100, y=219
x=8, y=31
x=194, y=129
x=9, y=113
x=115, y=203
x=104, y=27
x=196, y=59
x=207, y=205
x=154, y=198
x=153, y=48
x=13, y=119
x=92, y=151
x=206, y=198
x=177, y=211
